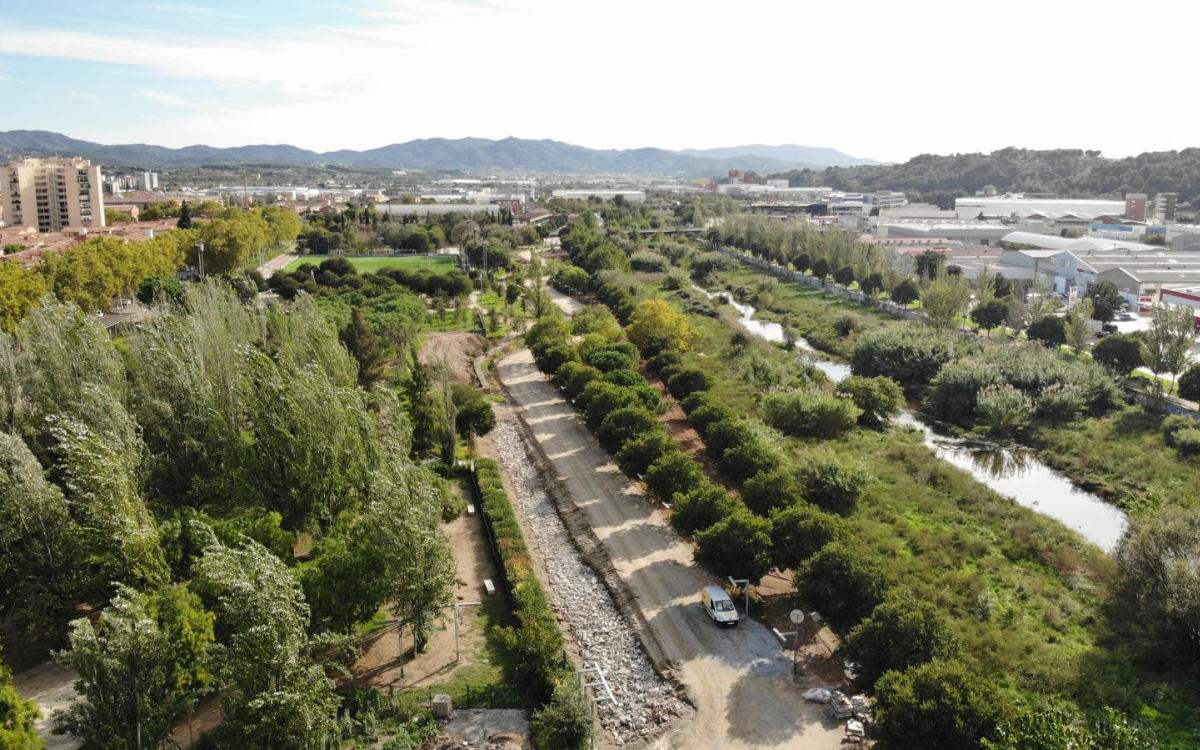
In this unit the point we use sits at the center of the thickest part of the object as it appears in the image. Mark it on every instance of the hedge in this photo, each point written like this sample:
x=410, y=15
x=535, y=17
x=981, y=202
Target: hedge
x=537, y=641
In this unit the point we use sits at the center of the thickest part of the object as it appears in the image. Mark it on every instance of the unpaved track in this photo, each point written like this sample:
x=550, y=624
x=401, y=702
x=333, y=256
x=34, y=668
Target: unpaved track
x=738, y=679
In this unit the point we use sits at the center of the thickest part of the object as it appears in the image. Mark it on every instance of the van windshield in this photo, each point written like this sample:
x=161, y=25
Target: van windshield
x=723, y=605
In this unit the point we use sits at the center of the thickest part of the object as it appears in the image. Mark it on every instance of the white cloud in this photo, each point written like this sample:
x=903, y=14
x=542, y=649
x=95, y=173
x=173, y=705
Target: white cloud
x=183, y=9
x=163, y=97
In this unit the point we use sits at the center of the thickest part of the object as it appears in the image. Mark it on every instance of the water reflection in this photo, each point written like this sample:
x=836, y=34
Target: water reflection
x=1011, y=471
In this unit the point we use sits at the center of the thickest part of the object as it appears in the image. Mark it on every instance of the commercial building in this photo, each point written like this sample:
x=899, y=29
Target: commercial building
x=51, y=194
x=1135, y=206
x=1007, y=207
x=1164, y=206
x=605, y=194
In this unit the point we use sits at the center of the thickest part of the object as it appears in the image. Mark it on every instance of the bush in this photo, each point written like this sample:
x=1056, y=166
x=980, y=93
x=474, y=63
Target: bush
x=771, y=490
x=845, y=325
x=810, y=413
x=573, y=377
x=879, y=398
x=1122, y=354
x=649, y=262
x=1187, y=442
x=698, y=399
x=603, y=401
x=547, y=331
x=800, y=531
x=1061, y=402
x=701, y=508
x=551, y=358
x=1189, y=382
x=663, y=359
x=595, y=319
x=752, y=457
x=1004, y=410
x=565, y=723
x=739, y=545
x=901, y=633
x=637, y=455
x=623, y=425
x=844, y=276
x=160, y=289
x=910, y=355
x=941, y=704
x=726, y=434
x=832, y=483
x=1174, y=424
x=626, y=378
x=1049, y=331
x=843, y=582
x=612, y=357
x=708, y=415
x=686, y=381
x=674, y=472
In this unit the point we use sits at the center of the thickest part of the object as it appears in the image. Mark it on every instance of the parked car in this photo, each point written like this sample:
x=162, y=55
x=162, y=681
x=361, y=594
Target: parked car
x=719, y=606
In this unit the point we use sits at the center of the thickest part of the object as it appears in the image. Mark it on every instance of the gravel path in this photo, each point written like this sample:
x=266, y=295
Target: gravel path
x=600, y=631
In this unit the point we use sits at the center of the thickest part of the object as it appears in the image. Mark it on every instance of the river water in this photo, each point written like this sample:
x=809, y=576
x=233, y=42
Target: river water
x=1014, y=472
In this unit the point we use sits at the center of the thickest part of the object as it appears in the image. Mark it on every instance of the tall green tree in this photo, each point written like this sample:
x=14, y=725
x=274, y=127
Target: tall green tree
x=1106, y=301
x=18, y=717
x=363, y=345
x=901, y=633
x=945, y=300
x=1172, y=333
x=185, y=216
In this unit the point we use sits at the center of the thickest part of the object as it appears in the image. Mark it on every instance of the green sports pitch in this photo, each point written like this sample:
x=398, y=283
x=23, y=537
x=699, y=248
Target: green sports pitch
x=366, y=264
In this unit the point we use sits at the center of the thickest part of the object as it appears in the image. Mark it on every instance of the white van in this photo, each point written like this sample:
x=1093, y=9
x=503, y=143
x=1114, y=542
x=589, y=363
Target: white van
x=719, y=606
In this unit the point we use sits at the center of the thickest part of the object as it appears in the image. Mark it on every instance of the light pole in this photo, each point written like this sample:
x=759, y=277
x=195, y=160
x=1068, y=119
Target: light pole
x=200, y=245
x=745, y=584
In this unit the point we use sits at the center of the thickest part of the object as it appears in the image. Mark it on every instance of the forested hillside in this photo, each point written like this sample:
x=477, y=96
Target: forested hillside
x=1061, y=172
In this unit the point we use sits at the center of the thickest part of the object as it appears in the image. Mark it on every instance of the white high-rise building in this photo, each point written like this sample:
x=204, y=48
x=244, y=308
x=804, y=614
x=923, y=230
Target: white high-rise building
x=51, y=194
x=149, y=180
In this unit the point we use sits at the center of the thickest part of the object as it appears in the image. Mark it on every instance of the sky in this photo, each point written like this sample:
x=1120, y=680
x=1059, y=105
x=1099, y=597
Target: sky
x=884, y=80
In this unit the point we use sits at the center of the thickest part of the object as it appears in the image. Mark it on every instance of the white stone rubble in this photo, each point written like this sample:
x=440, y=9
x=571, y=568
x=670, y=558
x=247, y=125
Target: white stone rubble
x=593, y=622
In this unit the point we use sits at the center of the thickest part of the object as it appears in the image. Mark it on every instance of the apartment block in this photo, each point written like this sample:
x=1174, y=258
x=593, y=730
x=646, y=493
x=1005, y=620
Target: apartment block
x=51, y=194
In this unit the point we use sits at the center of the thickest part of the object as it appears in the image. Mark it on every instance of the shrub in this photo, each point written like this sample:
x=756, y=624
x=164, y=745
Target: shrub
x=941, y=704
x=739, y=545
x=604, y=401
x=843, y=583
x=800, y=531
x=810, y=413
x=674, y=472
x=698, y=399
x=901, y=633
x=650, y=398
x=879, y=398
x=623, y=425
x=1189, y=382
x=726, y=434
x=654, y=346
x=708, y=415
x=954, y=393
x=844, y=276
x=1174, y=424
x=686, y=381
x=1187, y=442
x=1157, y=579
x=551, y=358
x=906, y=293
x=701, y=508
x=1061, y=402
x=573, y=377
x=565, y=723
x=595, y=320
x=771, y=490
x=752, y=457
x=1049, y=331
x=845, y=325
x=626, y=378
x=1122, y=355
x=1004, y=410
x=909, y=355
x=612, y=357
x=663, y=359
x=548, y=330
x=636, y=456
x=649, y=262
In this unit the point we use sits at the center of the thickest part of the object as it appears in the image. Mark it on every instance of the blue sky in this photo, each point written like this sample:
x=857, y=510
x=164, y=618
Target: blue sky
x=886, y=80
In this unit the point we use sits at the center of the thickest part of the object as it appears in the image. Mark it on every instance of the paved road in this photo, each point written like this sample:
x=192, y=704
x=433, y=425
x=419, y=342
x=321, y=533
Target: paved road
x=279, y=262
x=739, y=679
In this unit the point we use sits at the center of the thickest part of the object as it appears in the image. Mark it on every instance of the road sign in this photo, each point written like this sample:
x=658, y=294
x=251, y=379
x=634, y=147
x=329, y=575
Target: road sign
x=797, y=617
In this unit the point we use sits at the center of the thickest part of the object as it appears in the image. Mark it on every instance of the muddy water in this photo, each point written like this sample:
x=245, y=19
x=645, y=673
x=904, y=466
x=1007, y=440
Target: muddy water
x=1011, y=471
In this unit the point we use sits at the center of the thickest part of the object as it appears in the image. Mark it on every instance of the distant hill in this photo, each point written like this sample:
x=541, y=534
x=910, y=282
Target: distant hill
x=441, y=154
x=809, y=156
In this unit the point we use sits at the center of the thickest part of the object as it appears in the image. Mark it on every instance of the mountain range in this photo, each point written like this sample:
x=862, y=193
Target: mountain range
x=442, y=154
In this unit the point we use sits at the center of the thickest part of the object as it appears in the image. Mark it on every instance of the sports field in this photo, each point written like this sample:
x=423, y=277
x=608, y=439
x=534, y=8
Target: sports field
x=365, y=264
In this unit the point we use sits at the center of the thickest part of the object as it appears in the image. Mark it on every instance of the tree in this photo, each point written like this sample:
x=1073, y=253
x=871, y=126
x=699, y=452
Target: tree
x=990, y=315
x=738, y=545
x=656, y=319
x=1121, y=355
x=930, y=265
x=772, y=490
x=565, y=723
x=445, y=413
x=940, y=704
x=623, y=425
x=1189, y=381
x=1000, y=286
x=1106, y=301
x=843, y=582
x=902, y=632
x=230, y=242
x=1076, y=326
x=800, y=531
x=18, y=717
x=20, y=292
x=636, y=456
x=1172, y=333
x=872, y=284
x=160, y=289
x=185, y=216
x=1158, y=581
x=128, y=665
x=945, y=300
x=820, y=268
x=906, y=292
x=1049, y=331
x=700, y=509
x=879, y=398
x=844, y=275
x=273, y=692
x=474, y=414
x=672, y=473
x=360, y=340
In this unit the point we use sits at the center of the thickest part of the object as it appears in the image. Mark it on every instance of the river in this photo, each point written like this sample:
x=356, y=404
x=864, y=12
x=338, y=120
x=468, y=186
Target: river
x=1014, y=472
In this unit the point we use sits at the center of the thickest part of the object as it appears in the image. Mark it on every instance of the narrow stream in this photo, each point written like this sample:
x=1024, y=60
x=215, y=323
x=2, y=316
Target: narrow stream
x=1014, y=472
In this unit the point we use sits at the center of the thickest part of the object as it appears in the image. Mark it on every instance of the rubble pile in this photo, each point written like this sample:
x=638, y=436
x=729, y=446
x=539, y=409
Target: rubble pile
x=593, y=622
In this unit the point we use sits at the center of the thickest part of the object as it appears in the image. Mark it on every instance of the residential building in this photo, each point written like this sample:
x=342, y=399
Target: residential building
x=51, y=194
x=149, y=180
x=1135, y=206
x=1164, y=206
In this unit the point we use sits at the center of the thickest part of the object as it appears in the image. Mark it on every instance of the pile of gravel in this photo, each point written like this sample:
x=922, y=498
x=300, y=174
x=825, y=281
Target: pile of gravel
x=601, y=633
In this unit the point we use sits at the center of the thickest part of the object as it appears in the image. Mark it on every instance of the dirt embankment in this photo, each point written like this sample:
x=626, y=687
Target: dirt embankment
x=458, y=349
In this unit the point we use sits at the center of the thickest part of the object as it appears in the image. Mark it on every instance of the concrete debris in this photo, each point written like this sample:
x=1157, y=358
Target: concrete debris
x=592, y=620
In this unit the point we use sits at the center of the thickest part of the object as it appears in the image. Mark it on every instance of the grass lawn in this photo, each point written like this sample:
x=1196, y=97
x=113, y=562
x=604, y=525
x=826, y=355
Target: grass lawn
x=366, y=264
x=491, y=680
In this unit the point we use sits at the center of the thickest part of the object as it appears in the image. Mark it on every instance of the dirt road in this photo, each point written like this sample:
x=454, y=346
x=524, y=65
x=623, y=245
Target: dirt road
x=738, y=679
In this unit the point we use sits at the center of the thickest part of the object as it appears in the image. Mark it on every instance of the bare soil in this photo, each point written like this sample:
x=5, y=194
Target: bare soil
x=458, y=349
